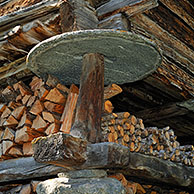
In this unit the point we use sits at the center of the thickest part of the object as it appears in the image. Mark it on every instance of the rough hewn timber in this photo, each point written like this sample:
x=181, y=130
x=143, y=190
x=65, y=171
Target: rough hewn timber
x=119, y=158
x=60, y=148
x=172, y=24
x=118, y=21
x=134, y=6
x=183, y=9
x=105, y=155
x=90, y=100
x=77, y=15
x=27, y=14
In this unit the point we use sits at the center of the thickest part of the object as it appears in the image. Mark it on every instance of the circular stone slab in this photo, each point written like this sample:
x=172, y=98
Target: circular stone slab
x=128, y=57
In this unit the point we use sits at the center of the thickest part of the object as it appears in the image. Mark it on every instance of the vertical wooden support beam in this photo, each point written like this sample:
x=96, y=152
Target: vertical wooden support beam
x=90, y=100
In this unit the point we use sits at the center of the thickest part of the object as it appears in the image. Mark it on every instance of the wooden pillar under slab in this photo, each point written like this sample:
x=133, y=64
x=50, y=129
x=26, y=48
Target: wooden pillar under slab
x=90, y=100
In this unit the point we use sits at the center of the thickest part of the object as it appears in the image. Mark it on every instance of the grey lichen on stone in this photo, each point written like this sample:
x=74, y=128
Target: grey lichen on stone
x=92, y=173
x=128, y=57
x=81, y=186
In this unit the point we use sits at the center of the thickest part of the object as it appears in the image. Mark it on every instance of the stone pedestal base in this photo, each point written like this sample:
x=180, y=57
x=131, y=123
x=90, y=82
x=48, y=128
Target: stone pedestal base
x=81, y=182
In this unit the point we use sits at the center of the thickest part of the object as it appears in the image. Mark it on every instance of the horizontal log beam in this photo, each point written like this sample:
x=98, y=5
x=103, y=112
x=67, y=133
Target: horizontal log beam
x=114, y=6
x=183, y=9
x=162, y=112
x=110, y=156
x=27, y=14
x=26, y=168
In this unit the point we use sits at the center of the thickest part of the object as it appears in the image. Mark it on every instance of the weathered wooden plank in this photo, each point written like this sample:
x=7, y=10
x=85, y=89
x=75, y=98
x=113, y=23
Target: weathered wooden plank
x=90, y=100
x=166, y=39
x=117, y=21
x=115, y=6
x=27, y=14
x=172, y=24
x=69, y=110
x=77, y=15
x=183, y=9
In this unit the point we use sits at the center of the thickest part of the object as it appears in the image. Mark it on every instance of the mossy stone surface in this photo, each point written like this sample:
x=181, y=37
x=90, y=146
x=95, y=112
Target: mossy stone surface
x=128, y=57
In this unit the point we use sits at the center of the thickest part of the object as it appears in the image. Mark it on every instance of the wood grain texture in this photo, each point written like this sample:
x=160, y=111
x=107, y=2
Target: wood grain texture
x=90, y=100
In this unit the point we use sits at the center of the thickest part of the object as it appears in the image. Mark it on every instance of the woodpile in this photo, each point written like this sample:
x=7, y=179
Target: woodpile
x=130, y=131
x=40, y=109
x=44, y=108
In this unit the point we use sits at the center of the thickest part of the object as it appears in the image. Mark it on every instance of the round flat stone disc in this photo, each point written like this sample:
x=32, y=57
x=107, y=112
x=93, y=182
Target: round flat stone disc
x=127, y=57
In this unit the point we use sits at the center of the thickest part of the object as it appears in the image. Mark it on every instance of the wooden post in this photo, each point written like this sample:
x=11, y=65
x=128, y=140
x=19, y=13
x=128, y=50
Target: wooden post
x=90, y=101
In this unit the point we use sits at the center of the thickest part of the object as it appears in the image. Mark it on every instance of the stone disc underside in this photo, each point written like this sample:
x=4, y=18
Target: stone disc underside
x=128, y=57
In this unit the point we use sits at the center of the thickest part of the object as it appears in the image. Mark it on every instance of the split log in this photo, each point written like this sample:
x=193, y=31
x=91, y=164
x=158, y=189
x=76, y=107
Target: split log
x=88, y=112
x=50, y=117
x=77, y=15
x=62, y=88
x=27, y=149
x=22, y=135
x=52, y=81
x=6, y=145
x=9, y=134
x=26, y=189
x=12, y=105
x=34, y=185
x=42, y=93
x=37, y=108
x=52, y=107
x=25, y=99
x=52, y=128
x=31, y=101
x=24, y=90
x=10, y=122
x=36, y=83
x=18, y=112
x=108, y=107
x=18, y=98
x=25, y=120
x=6, y=113
x=15, y=151
x=55, y=96
x=112, y=90
x=2, y=107
x=69, y=110
x=39, y=124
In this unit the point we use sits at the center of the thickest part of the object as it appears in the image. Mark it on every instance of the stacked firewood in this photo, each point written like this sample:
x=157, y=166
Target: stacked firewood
x=29, y=112
x=130, y=131
x=40, y=109
x=48, y=107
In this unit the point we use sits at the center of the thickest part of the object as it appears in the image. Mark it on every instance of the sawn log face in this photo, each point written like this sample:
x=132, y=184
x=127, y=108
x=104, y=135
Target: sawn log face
x=60, y=147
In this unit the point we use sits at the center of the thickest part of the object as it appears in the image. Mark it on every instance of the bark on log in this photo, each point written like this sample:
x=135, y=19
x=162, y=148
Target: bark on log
x=90, y=100
x=66, y=150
